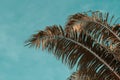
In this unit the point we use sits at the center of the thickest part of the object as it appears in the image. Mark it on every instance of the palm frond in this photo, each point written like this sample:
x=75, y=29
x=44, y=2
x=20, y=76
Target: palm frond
x=98, y=28
x=88, y=42
x=44, y=36
x=77, y=49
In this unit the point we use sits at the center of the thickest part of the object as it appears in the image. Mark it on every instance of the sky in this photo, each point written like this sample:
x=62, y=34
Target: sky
x=19, y=19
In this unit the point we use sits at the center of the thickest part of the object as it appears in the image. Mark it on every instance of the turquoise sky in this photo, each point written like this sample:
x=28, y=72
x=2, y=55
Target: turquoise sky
x=21, y=18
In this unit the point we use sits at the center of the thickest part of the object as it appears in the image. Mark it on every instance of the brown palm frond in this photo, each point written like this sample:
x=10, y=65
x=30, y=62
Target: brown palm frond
x=88, y=42
x=77, y=48
x=44, y=36
x=98, y=28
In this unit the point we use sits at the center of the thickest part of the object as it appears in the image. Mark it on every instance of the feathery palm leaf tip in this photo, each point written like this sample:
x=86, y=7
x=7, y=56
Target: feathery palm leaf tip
x=90, y=40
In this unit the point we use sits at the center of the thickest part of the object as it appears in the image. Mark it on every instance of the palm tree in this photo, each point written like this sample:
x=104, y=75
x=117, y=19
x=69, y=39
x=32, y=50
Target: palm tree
x=90, y=41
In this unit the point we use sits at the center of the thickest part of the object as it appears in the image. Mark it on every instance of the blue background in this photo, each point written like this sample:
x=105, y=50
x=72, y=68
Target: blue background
x=21, y=18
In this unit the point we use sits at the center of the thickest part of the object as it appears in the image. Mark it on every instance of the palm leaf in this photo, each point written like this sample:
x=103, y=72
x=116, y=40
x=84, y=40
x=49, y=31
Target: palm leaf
x=77, y=49
x=98, y=28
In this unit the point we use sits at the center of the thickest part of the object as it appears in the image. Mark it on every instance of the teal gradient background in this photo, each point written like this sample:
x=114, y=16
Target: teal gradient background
x=21, y=18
